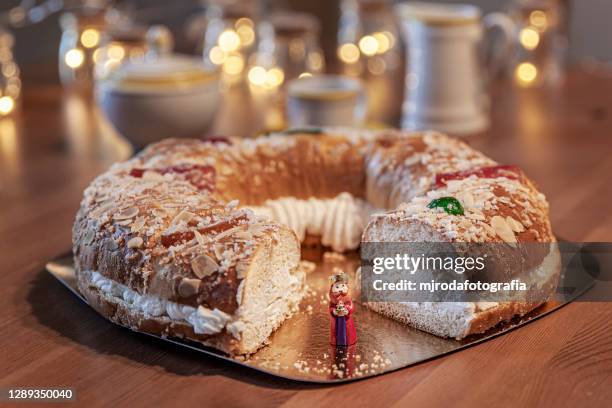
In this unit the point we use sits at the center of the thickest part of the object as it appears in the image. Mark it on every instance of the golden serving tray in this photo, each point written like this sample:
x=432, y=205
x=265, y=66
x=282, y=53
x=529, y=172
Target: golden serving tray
x=299, y=350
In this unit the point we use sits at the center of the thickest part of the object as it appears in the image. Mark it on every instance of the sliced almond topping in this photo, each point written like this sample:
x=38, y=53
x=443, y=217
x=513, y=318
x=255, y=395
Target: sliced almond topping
x=199, y=237
x=102, y=198
x=124, y=223
x=138, y=224
x=241, y=268
x=183, y=216
x=467, y=200
x=502, y=229
x=203, y=265
x=475, y=215
x=189, y=287
x=244, y=235
x=219, y=249
x=257, y=230
x=102, y=209
x=489, y=229
x=515, y=224
x=159, y=212
x=227, y=233
x=135, y=242
x=130, y=212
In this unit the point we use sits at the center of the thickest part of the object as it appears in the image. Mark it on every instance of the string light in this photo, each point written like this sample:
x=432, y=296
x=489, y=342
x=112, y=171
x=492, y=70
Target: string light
x=390, y=37
x=233, y=65
x=267, y=79
x=90, y=38
x=246, y=34
x=217, y=55
x=115, y=52
x=244, y=22
x=229, y=41
x=368, y=45
x=526, y=73
x=229, y=51
x=348, y=53
x=74, y=58
x=529, y=38
x=538, y=19
x=257, y=75
x=7, y=104
x=9, y=69
x=275, y=77
x=383, y=42
x=97, y=55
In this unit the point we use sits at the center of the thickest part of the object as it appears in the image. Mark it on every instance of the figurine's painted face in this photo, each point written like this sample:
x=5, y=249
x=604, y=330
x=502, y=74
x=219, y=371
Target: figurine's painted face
x=339, y=288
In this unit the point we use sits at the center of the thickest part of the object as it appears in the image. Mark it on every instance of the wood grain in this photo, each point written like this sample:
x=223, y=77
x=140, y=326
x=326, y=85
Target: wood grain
x=56, y=144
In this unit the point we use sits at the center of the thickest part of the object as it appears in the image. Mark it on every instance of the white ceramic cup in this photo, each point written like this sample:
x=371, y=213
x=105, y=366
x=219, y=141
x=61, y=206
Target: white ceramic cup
x=174, y=96
x=325, y=100
x=446, y=73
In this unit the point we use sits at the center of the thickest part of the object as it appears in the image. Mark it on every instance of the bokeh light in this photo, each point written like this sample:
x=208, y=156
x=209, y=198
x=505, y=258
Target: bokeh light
x=217, y=55
x=229, y=41
x=383, y=42
x=233, y=65
x=538, y=19
x=7, y=104
x=90, y=38
x=368, y=45
x=348, y=53
x=257, y=75
x=246, y=34
x=74, y=58
x=116, y=52
x=529, y=38
x=266, y=79
x=526, y=73
x=274, y=77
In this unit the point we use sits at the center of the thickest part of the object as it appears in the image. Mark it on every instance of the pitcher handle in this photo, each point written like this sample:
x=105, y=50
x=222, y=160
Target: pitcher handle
x=496, y=53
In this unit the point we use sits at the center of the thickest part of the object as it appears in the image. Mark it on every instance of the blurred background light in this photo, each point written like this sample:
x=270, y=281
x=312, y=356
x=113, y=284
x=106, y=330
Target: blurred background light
x=526, y=73
x=90, y=38
x=529, y=38
x=348, y=53
x=74, y=58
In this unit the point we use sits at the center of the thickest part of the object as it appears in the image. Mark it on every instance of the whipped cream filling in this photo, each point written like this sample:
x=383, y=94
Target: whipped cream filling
x=203, y=320
x=339, y=221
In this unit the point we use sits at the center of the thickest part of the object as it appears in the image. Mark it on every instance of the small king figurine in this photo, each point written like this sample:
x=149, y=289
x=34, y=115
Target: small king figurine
x=342, y=325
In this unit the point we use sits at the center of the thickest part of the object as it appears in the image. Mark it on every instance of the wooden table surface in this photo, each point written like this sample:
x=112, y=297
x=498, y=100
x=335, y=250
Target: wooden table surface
x=56, y=144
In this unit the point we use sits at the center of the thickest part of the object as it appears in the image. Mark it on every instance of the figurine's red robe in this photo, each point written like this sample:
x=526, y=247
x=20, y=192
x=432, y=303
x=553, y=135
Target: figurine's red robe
x=342, y=328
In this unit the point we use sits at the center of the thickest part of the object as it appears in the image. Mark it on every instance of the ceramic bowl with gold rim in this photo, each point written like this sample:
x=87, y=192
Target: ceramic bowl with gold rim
x=325, y=100
x=175, y=96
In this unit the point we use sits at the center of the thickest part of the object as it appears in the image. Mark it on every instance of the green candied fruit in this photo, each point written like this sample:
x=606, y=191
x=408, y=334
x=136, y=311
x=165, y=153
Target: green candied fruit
x=449, y=204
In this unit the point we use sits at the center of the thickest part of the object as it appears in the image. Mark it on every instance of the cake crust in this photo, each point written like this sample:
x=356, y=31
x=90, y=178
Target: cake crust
x=170, y=232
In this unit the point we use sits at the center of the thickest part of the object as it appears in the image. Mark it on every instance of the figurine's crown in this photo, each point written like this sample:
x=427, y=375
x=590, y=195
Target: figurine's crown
x=339, y=277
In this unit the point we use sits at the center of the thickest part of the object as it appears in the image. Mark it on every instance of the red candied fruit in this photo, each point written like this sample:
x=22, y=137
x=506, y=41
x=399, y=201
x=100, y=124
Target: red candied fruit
x=509, y=171
x=177, y=237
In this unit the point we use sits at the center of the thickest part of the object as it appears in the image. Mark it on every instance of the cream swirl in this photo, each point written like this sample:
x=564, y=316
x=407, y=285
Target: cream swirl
x=339, y=221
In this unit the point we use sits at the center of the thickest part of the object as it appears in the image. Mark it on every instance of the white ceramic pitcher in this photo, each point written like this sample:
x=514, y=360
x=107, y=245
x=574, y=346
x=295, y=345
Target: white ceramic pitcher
x=446, y=71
